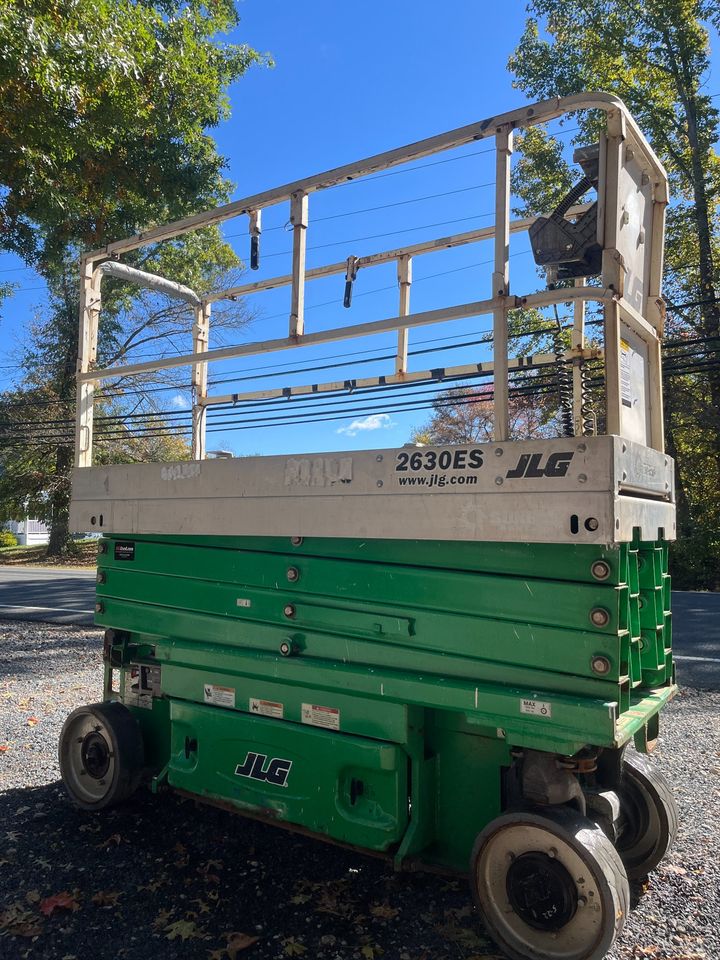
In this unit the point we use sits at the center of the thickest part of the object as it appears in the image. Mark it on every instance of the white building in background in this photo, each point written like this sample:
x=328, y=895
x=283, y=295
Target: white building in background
x=29, y=532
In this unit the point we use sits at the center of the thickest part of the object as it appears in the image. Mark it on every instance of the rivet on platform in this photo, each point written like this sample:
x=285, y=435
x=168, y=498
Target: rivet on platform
x=600, y=665
x=296, y=541
x=599, y=616
x=293, y=574
x=101, y=577
x=99, y=608
x=600, y=570
x=289, y=610
x=288, y=648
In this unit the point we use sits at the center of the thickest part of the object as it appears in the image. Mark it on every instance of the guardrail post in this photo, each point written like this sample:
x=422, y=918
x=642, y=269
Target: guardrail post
x=201, y=333
x=90, y=299
x=404, y=270
x=501, y=279
x=299, y=221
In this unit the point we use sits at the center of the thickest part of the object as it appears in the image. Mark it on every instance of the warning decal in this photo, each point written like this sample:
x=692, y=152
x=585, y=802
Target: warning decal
x=328, y=717
x=626, y=391
x=220, y=696
x=538, y=708
x=266, y=708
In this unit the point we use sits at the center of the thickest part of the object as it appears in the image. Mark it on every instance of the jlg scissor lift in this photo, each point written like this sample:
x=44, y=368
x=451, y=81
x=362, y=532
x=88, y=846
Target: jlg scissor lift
x=435, y=653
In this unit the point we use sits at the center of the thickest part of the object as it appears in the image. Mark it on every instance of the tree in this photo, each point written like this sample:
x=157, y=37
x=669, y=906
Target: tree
x=655, y=55
x=104, y=111
x=465, y=414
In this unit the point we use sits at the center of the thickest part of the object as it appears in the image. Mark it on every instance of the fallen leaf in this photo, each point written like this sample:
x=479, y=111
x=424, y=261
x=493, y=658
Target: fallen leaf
x=300, y=898
x=162, y=918
x=182, y=929
x=32, y=721
x=384, y=910
x=4, y=747
x=106, y=898
x=238, y=942
x=59, y=901
x=113, y=840
x=293, y=947
x=19, y=922
x=32, y=896
x=671, y=868
x=370, y=951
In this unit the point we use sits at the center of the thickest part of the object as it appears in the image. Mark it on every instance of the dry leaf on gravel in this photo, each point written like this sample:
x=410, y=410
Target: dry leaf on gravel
x=106, y=898
x=239, y=942
x=19, y=922
x=384, y=911
x=59, y=901
x=293, y=947
x=183, y=930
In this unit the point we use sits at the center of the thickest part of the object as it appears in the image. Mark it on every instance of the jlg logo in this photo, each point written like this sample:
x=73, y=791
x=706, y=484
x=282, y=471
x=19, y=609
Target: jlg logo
x=276, y=772
x=528, y=466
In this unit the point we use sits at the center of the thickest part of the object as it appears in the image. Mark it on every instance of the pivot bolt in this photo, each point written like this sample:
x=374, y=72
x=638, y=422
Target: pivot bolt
x=591, y=524
x=289, y=610
x=296, y=541
x=600, y=665
x=293, y=574
x=599, y=616
x=288, y=648
x=600, y=570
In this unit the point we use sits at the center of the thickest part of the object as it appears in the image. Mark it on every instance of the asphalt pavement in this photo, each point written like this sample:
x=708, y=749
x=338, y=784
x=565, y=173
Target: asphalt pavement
x=67, y=596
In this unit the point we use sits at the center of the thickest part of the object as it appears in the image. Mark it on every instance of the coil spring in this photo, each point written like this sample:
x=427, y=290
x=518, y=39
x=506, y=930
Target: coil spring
x=588, y=417
x=564, y=382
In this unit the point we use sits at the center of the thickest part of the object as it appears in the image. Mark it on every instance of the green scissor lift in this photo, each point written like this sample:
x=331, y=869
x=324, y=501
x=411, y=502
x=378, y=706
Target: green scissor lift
x=437, y=654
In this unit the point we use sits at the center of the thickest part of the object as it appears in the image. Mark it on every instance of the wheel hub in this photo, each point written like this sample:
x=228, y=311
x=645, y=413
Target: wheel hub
x=95, y=755
x=541, y=891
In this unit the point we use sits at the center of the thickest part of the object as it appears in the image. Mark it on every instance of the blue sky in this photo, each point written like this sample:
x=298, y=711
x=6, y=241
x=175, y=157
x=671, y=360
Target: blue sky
x=350, y=81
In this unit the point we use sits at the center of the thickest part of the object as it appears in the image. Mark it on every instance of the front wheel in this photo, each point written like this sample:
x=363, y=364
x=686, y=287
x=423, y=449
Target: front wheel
x=549, y=886
x=101, y=755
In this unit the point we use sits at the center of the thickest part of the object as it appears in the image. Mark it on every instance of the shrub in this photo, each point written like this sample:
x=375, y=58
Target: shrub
x=8, y=539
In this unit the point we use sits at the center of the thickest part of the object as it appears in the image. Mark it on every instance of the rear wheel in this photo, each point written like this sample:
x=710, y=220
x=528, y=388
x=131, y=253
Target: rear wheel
x=549, y=886
x=101, y=755
x=649, y=814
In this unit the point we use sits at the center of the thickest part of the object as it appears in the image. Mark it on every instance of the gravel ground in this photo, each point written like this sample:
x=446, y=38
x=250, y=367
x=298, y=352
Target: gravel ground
x=164, y=877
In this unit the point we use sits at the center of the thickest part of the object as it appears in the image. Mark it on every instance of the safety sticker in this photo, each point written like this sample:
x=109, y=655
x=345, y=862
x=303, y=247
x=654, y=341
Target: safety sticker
x=266, y=708
x=538, y=708
x=220, y=696
x=328, y=717
x=626, y=385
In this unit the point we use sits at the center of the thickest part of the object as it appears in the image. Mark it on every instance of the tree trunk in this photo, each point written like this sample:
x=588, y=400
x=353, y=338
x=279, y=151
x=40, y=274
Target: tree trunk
x=59, y=542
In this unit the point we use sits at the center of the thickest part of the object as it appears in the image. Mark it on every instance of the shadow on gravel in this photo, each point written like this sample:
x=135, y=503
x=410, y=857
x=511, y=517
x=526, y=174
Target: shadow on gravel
x=34, y=656
x=167, y=878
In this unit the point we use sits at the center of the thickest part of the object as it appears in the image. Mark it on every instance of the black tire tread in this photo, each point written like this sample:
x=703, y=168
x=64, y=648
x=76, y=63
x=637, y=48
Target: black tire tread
x=127, y=745
x=653, y=781
x=581, y=833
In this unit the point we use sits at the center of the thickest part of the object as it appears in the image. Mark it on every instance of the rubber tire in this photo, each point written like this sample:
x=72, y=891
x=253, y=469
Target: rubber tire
x=648, y=786
x=122, y=733
x=587, y=840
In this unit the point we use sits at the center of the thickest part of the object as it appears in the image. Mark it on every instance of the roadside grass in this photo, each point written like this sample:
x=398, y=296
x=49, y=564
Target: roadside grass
x=83, y=553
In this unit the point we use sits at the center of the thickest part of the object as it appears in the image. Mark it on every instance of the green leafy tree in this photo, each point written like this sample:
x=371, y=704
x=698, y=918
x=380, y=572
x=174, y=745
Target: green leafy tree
x=105, y=108
x=655, y=55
